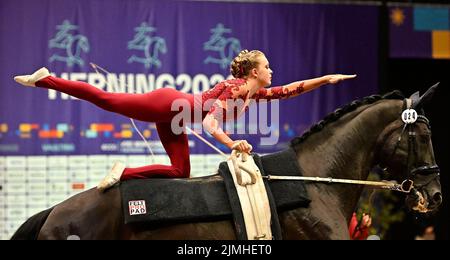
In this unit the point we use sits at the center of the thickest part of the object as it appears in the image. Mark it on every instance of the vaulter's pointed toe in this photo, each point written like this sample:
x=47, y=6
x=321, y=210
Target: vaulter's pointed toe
x=30, y=80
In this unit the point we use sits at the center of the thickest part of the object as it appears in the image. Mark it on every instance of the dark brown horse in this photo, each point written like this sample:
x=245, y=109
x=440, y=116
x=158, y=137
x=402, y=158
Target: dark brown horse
x=345, y=144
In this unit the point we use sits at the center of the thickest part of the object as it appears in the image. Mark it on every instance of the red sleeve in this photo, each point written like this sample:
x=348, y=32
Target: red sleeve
x=352, y=225
x=357, y=233
x=281, y=92
x=214, y=92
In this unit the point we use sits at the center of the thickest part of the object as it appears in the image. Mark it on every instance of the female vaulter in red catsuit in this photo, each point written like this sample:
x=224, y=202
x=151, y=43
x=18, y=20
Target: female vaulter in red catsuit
x=252, y=74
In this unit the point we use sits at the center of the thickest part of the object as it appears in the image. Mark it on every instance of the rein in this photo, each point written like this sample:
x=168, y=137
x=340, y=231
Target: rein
x=405, y=186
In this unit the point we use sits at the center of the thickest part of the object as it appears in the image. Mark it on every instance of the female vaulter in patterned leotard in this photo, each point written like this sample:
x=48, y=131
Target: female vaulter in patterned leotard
x=252, y=74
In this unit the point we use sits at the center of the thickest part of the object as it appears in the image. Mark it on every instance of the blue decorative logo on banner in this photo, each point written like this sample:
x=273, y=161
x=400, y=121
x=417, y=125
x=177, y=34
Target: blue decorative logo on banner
x=227, y=48
x=73, y=45
x=151, y=46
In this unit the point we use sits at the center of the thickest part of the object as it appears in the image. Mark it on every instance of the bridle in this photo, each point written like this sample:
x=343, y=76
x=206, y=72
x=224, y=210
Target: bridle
x=410, y=118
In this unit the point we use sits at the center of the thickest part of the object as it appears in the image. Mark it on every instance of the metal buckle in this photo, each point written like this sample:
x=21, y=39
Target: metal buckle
x=406, y=186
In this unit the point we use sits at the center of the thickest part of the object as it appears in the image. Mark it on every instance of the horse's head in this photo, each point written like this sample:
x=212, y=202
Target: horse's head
x=407, y=154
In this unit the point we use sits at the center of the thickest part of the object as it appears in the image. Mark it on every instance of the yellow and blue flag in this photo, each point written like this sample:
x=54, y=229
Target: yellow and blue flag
x=419, y=32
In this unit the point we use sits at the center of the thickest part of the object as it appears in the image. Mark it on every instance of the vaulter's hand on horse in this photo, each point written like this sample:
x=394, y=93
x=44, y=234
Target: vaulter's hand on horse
x=242, y=146
x=336, y=78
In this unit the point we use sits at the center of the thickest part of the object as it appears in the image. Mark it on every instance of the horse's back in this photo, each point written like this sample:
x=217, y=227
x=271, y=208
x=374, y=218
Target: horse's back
x=87, y=215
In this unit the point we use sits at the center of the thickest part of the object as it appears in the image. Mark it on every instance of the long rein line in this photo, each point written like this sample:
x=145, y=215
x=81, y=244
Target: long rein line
x=405, y=186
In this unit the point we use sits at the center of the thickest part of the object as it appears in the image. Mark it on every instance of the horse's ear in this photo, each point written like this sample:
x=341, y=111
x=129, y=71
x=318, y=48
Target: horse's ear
x=425, y=98
x=415, y=98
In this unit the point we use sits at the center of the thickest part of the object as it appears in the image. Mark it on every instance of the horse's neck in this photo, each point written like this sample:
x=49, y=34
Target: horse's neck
x=346, y=149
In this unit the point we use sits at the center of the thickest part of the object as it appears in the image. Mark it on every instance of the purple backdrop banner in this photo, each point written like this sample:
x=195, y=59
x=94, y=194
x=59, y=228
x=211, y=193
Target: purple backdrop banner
x=186, y=45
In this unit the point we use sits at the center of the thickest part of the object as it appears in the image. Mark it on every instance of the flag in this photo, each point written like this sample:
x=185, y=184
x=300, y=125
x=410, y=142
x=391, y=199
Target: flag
x=419, y=32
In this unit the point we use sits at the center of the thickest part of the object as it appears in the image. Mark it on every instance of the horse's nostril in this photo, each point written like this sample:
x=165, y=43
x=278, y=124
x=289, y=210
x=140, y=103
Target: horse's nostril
x=437, y=197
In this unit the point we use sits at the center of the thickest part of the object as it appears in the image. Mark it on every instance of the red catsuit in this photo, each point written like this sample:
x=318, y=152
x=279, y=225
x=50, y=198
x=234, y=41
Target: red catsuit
x=155, y=107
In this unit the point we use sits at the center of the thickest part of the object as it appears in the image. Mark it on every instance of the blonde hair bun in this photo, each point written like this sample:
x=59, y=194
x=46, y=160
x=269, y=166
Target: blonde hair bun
x=244, y=62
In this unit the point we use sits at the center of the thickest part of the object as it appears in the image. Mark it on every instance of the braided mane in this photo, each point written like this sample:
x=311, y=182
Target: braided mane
x=338, y=113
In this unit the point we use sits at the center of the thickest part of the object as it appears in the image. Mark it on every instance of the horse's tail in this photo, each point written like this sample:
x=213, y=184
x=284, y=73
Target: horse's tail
x=30, y=229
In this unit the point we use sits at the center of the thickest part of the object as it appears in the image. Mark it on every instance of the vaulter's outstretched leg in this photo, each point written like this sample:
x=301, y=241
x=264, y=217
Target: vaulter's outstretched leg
x=153, y=106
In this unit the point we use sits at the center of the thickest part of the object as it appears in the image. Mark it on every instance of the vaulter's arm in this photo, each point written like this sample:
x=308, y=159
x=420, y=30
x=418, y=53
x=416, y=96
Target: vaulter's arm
x=298, y=87
x=211, y=125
